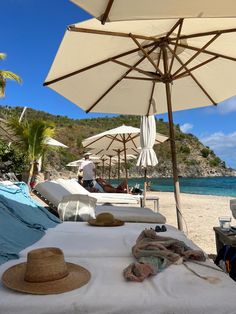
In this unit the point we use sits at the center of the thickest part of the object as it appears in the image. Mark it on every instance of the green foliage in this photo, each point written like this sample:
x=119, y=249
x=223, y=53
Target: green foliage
x=205, y=152
x=32, y=136
x=185, y=149
x=191, y=162
x=6, y=75
x=215, y=162
x=73, y=131
x=17, y=157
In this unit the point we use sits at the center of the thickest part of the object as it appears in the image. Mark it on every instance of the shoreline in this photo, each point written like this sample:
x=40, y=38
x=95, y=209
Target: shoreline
x=200, y=215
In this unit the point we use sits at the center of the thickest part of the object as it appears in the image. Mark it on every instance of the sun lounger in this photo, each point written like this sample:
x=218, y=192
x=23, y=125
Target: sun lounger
x=68, y=196
x=54, y=191
x=105, y=252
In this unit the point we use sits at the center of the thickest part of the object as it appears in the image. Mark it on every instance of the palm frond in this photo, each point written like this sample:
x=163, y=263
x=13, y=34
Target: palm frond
x=2, y=56
x=8, y=75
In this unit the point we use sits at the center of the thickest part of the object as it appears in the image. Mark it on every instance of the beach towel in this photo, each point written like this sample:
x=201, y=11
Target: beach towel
x=18, y=201
x=154, y=253
x=14, y=235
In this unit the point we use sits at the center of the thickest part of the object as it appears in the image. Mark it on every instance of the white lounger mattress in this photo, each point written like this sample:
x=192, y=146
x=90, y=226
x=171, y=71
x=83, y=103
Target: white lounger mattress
x=82, y=240
x=54, y=191
x=176, y=290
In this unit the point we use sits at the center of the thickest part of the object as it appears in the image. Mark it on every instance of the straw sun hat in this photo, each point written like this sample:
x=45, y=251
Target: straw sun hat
x=105, y=220
x=45, y=272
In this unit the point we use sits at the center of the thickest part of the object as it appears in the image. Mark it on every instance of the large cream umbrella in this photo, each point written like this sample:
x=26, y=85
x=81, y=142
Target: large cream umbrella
x=118, y=10
x=147, y=67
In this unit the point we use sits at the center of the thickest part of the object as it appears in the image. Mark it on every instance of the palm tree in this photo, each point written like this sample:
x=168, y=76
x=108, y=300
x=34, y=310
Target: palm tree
x=32, y=139
x=6, y=75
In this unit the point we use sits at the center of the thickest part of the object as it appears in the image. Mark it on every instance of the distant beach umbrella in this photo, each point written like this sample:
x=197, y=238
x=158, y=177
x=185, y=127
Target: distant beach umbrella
x=116, y=152
x=118, y=138
x=52, y=142
x=147, y=67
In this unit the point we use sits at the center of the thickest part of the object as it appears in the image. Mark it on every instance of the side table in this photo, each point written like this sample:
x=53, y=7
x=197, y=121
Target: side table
x=155, y=200
x=224, y=238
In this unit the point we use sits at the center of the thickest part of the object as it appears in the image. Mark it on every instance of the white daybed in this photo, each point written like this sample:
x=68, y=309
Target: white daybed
x=105, y=252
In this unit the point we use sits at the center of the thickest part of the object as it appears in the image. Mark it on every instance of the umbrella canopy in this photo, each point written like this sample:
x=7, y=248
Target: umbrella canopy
x=118, y=138
x=115, y=154
x=117, y=10
x=128, y=68
x=147, y=155
x=77, y=163
x=146, y=67
x=52, y=142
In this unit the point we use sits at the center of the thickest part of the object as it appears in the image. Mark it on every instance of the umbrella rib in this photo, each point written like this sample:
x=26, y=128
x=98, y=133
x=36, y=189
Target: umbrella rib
x=145, y=53
x=94, y=65
x=230, y=30
x=206, y=52
x=138, y=78
x=194, y=68
x=118, y=81
x=104, y=17
x=193, y=77
x=197, y=53
x=74, y=28
x=180, y=24
x=134, y=68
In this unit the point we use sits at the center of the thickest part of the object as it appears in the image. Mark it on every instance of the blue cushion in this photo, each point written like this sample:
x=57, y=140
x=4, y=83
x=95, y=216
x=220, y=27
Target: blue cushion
x=18, y=201
x=14, y=235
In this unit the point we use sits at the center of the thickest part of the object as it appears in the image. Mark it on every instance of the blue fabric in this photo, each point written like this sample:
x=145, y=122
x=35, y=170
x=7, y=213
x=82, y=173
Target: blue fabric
x=18, y=201
x=14, y=235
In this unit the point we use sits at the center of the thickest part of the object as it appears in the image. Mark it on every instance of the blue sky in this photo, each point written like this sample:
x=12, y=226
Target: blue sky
x=31, y=31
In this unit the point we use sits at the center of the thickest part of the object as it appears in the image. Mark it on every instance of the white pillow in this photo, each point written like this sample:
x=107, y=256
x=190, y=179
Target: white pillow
x=77, y=207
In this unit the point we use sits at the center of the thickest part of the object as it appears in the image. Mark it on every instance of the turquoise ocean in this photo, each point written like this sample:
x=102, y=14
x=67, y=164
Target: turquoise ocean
x=222, y=186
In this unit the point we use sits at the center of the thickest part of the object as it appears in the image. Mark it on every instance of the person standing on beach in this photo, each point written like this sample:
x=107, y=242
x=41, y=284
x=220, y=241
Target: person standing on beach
x=88, y=168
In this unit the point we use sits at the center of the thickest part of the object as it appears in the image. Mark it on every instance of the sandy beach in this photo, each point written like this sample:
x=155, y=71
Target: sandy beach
x=200, y=214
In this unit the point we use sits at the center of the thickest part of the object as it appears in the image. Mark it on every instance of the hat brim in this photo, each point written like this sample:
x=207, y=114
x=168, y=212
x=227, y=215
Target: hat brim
x=115, y=223
x=13, y=278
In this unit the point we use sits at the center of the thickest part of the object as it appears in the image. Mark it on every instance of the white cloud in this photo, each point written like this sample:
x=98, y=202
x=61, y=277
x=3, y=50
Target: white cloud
x=224, y=145
x=186, y=127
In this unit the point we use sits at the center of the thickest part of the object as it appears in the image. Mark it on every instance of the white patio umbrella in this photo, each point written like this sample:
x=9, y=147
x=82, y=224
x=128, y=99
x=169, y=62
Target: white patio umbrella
x=52, y=142
x=77, y=163
x=148, y=67
x=147, y=155
x=118, y=10
x=118, y=138
x=115, y=152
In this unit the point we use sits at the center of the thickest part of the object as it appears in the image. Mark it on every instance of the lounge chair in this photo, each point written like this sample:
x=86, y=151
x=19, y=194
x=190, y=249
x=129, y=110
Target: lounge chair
x=68, y=195
x=55, y=190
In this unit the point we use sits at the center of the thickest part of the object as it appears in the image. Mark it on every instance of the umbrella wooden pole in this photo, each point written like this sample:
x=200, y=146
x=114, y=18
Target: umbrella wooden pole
x=145, y=187
x=118, y=165
x=110, y=169
x=172, y=143
x=103, y=168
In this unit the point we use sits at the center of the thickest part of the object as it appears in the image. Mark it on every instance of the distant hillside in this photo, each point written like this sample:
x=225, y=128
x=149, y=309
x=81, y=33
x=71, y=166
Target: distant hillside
x=194, y=159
